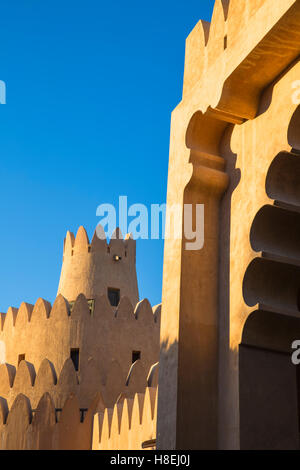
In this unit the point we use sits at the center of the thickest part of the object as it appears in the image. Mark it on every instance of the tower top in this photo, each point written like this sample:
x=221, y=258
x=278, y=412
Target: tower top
x=97, y=267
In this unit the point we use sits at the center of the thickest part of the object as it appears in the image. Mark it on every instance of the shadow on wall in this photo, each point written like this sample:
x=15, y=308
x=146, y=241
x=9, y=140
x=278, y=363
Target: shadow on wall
x=228, y=358
x=269, y=382
x=70, y=427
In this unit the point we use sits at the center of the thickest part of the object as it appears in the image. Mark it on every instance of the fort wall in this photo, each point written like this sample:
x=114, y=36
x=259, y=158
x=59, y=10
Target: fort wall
x=129, y=425
x=46, y=426
x=104, y=337
x=234, y=118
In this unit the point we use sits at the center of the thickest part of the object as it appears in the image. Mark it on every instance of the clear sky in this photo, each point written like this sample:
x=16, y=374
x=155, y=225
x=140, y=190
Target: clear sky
x=90, y=89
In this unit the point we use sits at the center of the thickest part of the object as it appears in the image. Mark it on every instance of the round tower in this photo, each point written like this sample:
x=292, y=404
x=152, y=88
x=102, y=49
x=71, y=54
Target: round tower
x=98, y=268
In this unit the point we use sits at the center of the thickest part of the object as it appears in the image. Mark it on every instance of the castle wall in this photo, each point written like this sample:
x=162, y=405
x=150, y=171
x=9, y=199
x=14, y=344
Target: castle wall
x=45, y=427
x=232, y=121
x=105, y=337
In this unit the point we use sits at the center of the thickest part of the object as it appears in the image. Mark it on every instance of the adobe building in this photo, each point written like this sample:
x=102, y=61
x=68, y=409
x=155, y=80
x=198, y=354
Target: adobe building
x=230, y=311
x=97, y=345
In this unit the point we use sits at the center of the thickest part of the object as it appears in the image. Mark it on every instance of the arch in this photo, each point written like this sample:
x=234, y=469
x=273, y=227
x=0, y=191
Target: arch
x=204, y=133
x=282, y=181
x=276, y=230
x=271, y=330
x=272, y=283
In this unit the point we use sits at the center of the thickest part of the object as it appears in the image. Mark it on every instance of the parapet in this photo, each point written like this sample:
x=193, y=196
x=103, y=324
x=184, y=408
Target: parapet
x=129, y=425
x=114, y=387
x=105, y=338
x=91, y=268
x=48, y=425
x=223, y=56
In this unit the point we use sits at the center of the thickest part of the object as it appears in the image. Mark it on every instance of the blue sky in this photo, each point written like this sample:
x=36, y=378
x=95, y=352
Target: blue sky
x=90, y=89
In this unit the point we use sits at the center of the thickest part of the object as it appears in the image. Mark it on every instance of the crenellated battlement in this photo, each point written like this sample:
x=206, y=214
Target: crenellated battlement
x=211, y=41
x=243, y=35
x=82, y=244
x=104, y=341
x=34, y=383
x=125, y=426
x=43, y=310
x=129, y=425
x=94, y=267
x=46, y=427
x=95, y=338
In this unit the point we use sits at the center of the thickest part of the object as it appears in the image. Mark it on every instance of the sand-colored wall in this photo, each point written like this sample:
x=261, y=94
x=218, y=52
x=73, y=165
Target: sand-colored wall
x=249, y=150
x=26, y=425
x=232, y=121
x=106, y=339
x=128, y=425
x=90, y=268
x=45, y=428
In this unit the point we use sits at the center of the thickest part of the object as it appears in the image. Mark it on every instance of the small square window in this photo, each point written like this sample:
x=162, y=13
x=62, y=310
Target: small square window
x=74, y=354
x=113, y=296
x=136, y=355
x=21, y=358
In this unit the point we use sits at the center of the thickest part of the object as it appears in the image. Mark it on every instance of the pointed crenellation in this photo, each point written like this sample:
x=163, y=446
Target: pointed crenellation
x=69, y=327
x=82, y=242
x=99, y=243
x=46, y=376
x=25, y=378
x=128, y=425
x=125, y=310
x=10, y=318
x=7, y=377
x=24, y=314
x=69, y=243
x=115, y=427
x=98, y=309
x=143, y=312
x=209, y=42
x=195, y=55
x=60, y=309
x=35, y=420
x=41, y=310
x=157, y=313
x=91, y=268
x=137, y=379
